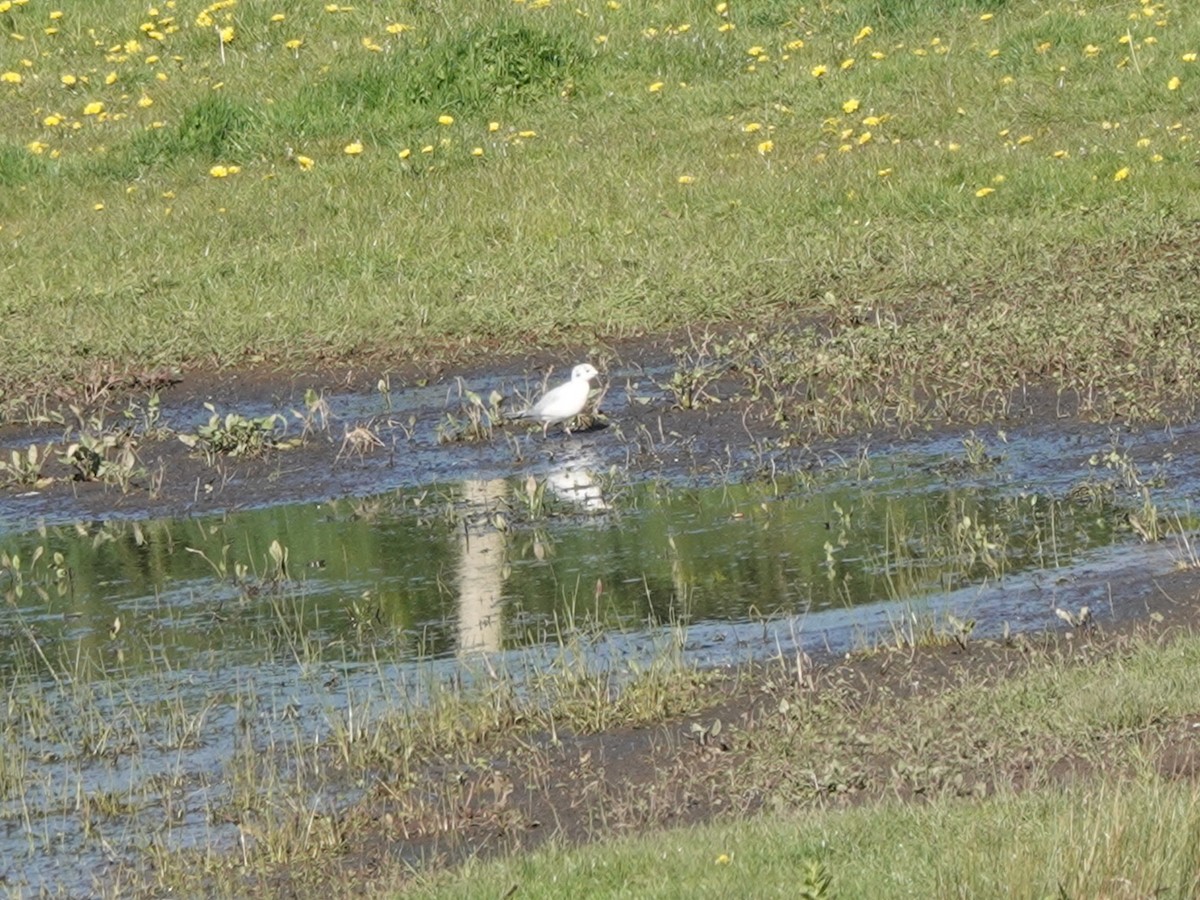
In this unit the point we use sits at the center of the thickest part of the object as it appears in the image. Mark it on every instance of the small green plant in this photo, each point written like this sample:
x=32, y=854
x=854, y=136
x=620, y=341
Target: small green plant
x=697, y=367
x=24, y=468
x=110, y=457
x=475, y=420
x=147, y=421
x=316, y=413
x=1145, y=520
x=236, y=435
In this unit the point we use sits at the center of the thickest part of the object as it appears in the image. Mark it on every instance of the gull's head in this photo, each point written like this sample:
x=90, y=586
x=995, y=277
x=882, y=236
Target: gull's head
x=584, y=372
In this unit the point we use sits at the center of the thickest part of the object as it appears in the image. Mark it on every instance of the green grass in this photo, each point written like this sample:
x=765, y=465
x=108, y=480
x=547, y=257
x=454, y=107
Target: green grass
x=572, y=225
x=1114, y=839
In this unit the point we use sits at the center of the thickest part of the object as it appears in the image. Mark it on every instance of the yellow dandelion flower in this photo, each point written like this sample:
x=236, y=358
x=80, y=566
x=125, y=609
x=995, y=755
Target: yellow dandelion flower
x=1091, y=51
x=37, y=148
x=655, y=88
x=687, y=179
x=98, y=207
x=865, y=138
x=227, y=34
x=1156, y=158
x=863, y=33
x=477, y=151
x=1025, y=139
x=278, y=17
x=353, y=149
x=110, y=78
x=795, y=45
x=766, y=147
x=305, y=163
x=369, y=44
x=1143, y=142
x=68, y=79
x=94, y=108
x=884, y=173
x=723, y=859
x=818, y=71
x=1174, y=83
x=405, y=153
x=1121, y=174
x=398, y=28
x=527, y=134
x=999, y=179
x=56, y=14
x=219, y=171
x=145, y=101
x=600, y=39
x=850, y=106
x=428, y=148
x=846, y=64
x=1061, y=154
x=878, y=54
x=11, y=77
x=52, y=120
x=984, y=191
x=986, y=17
x=1188, y=57
x=751, y=127
x=726, y=26
x=953, y=147
x=755, y=51
x=445, y=120
x=295, y=43
x=722, y=8
x=993, y=53
x=493, y=127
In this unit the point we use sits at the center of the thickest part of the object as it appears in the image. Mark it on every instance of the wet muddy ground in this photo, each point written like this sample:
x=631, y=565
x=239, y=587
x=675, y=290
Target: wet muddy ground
x=579, y=787
x=570, y=789
x=411, y=411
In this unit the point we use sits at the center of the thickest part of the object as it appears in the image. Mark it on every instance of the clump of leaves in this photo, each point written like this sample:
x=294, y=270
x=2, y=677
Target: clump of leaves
x=237, y=435
x=109, y=457
x=696, y=368
x=475, y=419
x=24, y=468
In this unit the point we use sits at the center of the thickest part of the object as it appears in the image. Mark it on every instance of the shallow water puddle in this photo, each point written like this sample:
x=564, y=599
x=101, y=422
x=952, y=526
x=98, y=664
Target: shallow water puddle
x=144, y=659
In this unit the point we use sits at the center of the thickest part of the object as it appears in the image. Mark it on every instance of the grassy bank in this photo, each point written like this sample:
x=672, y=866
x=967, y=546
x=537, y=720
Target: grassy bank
x=1086, y=789
x=1111, y=839
x=225, y=184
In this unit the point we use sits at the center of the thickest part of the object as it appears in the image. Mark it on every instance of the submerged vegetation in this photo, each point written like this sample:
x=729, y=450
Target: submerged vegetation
x=923, y=208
